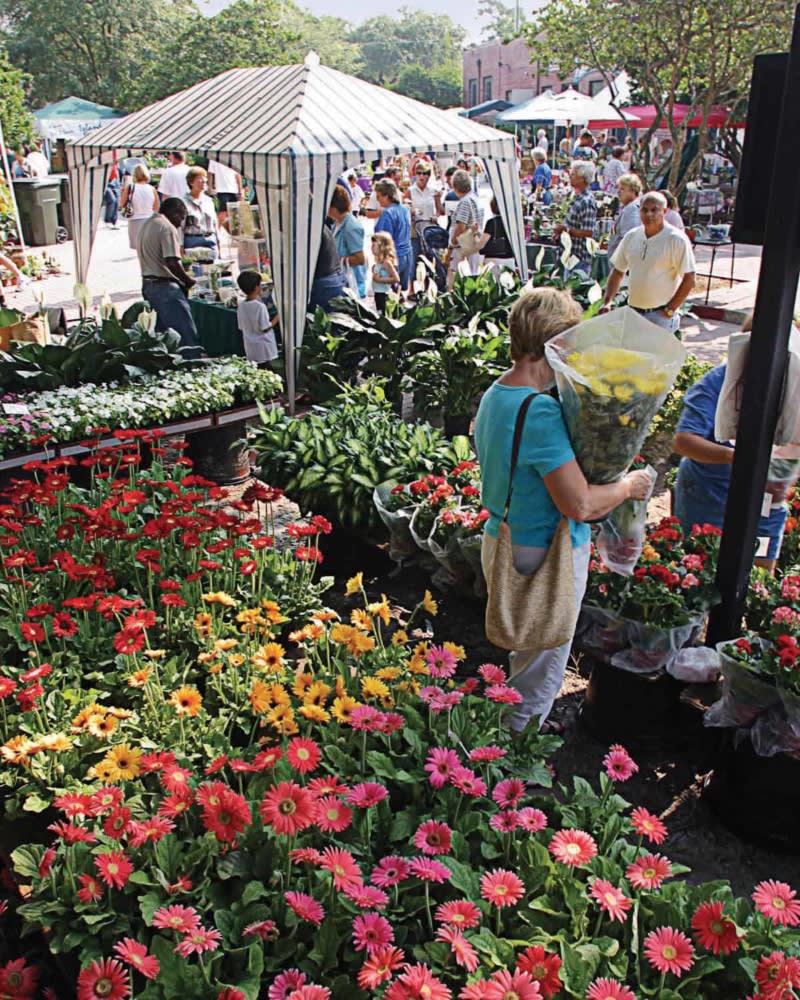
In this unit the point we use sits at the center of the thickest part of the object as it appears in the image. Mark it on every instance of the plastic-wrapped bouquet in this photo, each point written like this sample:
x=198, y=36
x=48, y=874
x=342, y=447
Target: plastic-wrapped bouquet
x=613, y=373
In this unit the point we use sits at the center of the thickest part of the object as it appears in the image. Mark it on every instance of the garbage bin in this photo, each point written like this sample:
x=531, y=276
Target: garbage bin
x=64, y=209
x=38, y=199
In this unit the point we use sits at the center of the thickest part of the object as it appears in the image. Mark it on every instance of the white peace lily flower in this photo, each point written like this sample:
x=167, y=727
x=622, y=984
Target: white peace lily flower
x=595, y=294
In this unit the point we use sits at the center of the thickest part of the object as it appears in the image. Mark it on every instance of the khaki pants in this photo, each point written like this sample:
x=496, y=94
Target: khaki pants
x=537, y=674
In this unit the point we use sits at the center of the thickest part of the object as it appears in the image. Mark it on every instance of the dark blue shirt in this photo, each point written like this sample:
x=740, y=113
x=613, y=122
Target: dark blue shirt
x=396, y=221
x=699, y=410
x=543, y=175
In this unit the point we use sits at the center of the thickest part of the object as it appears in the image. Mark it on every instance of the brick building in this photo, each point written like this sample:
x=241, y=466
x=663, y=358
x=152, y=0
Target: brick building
x=497, y=70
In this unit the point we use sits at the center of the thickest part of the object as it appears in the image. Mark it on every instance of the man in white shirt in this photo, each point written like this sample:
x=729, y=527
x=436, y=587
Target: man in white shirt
x=224, y=184
x=173, y=179
x=542, y=141
x=37, y=163
x=660, y=263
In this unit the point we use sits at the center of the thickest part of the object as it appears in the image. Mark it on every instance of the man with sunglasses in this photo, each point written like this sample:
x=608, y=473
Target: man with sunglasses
x=660, y=264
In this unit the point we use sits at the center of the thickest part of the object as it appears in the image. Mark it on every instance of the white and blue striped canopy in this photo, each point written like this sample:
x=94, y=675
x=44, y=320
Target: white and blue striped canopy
x=292, y=130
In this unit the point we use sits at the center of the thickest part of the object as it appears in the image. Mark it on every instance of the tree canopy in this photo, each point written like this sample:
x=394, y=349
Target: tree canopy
x=14, y=117
x=698, y=52
x=131, y=55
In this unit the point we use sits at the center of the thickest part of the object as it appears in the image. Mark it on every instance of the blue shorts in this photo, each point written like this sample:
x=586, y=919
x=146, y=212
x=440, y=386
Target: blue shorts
x=695, y=505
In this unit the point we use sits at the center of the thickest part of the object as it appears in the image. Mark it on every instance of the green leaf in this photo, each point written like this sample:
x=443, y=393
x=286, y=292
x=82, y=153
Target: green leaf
x=381, y=764
x=252, y=892
x=26, y=861
x=148, y=904
x=35, y=803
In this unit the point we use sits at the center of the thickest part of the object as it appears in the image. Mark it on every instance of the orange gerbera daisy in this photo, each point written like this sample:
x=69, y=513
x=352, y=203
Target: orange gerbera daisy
x=186, y=700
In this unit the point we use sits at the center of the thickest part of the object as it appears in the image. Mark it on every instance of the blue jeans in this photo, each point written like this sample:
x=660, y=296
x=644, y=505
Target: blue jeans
x=673, y=323
x=111, y=202
x=332, y=286
x=172, y=311
x=405, y=265
x=694, y=504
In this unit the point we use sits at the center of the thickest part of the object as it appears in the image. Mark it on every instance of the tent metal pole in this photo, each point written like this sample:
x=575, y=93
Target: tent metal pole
x=11, y=191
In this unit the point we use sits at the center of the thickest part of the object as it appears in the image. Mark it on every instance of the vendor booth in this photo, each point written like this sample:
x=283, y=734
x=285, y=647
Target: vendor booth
x=292, y=130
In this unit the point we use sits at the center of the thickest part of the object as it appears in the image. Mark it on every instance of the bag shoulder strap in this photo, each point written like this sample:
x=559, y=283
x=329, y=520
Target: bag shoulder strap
x=518, y=429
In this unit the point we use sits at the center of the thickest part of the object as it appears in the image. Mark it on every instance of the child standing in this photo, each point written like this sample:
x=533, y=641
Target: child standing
x=254, y=322
x=385, y=275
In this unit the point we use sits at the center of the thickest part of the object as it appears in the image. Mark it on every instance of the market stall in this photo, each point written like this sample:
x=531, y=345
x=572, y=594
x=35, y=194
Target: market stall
x=292, y=130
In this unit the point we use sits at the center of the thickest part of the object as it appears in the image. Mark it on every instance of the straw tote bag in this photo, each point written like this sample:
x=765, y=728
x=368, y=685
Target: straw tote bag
x=536, y=611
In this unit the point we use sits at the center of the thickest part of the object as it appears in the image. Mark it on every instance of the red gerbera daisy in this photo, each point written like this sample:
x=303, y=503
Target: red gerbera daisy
x=713, y=930
x=285, y=984
x=105, y=980
x=463, y=952
x=619, y=764
x=288, y=808
x=429, y=870
x=507, y=793
x=303, y=754
x=341, y=864
x=777, y=976
x=114, y=868
x=305, y=907
x=135, y=954
x=117, y=822
x=182, y=919
x=371, y=932
x=648, y=871
x=776, y=900
x=18, y=979
x=367, y=794
x=267, y=930
x=198, y=941
x=333, y=815
x=440, y=764
x=227, y=818
x=668, y=950
x=91, y=889
x=502, y=888
x=367, y=897
x=649, y=826
x=542, y=967
x=531, y=820
x=505, y=984
x=379, y=967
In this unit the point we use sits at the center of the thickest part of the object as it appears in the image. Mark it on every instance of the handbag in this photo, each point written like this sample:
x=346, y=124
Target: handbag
x=530, y=612
x=127, y=210
x=471, y=242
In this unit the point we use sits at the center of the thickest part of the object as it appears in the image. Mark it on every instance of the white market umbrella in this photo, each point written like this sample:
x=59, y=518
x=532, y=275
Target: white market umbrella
x=568, y=106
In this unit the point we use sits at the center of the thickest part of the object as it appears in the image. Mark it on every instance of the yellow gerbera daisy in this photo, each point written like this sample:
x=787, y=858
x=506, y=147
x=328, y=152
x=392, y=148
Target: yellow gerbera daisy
x=123, y=761
x=260, y=697
x=361, y=619
x=104, y=772
x=400, y=637
x=54, y=742
x=235, y=659
x=139, y=678
x=270, y=657
x=371, y=687
x=224, y=645
x=429, y=603
x=154, y=654
x=417, y=665
x=273, y=613
x=317, y=694
x=354, y=584
x=220, y=597
x=302, y=683
x=202, y=623
x=380, y=609
x=186, y=700
x=101, y=726
x=18, y=750
x=458, y=651
x=314, y=713
x=342, y=633
x=388, y=673
x=342, y=708
x=80, y=720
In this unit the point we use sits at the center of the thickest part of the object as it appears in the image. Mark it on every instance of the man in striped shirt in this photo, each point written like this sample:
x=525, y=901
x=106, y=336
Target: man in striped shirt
x=581, y=216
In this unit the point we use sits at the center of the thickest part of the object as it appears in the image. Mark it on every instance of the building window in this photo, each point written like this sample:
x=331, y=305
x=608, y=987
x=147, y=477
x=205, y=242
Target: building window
x=508, y=94
x=473, y=93
x=487, y=88
x=595, y=86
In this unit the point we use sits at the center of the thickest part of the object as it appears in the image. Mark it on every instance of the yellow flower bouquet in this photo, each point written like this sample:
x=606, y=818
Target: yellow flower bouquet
x=613, y=374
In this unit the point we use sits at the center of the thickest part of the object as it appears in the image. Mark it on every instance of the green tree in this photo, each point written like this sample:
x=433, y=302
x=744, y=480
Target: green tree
x=698, y=52
x=14, y=116
x=440, y=87
x=93, y=49
x=328, y=36
x=414, y=38
x=502, y=22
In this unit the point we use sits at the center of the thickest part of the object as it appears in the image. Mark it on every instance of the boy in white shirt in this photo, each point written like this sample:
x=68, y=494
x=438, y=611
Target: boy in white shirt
x=253, y=319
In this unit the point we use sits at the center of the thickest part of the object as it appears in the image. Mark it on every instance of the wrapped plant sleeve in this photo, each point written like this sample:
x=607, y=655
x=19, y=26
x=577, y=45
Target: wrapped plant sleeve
x=401, y=544
x=745, y=695
x=621, y=535
x=650, y=648
x=613, y=373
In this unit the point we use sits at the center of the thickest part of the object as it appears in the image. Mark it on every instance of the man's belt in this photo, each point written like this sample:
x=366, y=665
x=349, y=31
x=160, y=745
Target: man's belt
x=160, y=280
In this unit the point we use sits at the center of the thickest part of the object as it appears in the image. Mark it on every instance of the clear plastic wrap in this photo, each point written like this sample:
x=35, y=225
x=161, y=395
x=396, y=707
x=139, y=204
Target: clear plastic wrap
x=471, y=552
x=745, y=695
x=649, y=648
x=621, y=536
x=773, y=732
x=449, y=555
x=613, y=373
x=420, y=538
x=696, y=665
x=401, y=544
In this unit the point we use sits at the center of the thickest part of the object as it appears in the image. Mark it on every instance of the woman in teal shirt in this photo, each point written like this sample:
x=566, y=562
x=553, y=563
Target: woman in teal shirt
x=548, y=483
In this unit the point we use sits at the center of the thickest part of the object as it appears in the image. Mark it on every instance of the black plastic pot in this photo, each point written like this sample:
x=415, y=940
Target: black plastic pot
x=756, y=797
x=218, y=456
x=624, y=707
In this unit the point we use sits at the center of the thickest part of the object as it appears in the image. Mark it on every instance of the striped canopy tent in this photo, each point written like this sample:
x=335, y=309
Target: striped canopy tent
x=292, y=130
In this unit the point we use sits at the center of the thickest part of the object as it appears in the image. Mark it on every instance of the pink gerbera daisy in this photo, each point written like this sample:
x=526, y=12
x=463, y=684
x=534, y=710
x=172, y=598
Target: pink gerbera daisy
x=649, y=826
x=288, y=808
x=648, y=871
x=490, y=673
x=367, y=794
x=367, y=897
x=609, y=989
x=285, y=984
x=505, y=821
x=333, y=815
x=428, y=870
x=417, y=982
x=371, y=932
x=619, y=764
x=104, y=980
x=573, y=848
x=182, y=919
x=303, y=754
x=389, y=871
x=305, y=907
x=342, y=866
x=610, y=899
x=503, y=694
x=459, y=913
x=713, y=930
x=508, y=792
x=531, y=820
x=505, y=985
x=433, y=838
x=135, y=954
x=502, y=888
x=440, y=765
x=441, y=662
x=467, y=782
x=776, y=900
x=199, y=940
x=668, y=950
x=114, y=868
x=463, y=952
x=487, y=755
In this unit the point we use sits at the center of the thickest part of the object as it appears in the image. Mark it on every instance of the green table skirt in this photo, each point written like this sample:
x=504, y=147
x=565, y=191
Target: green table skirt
x=217, y=328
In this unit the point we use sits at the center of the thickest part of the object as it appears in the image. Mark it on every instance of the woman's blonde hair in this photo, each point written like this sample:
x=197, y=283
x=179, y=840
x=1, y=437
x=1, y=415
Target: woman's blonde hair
x=193, y=173
x=538, y=315
x=631, y=182
x=383, y=248
x=141, y=173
